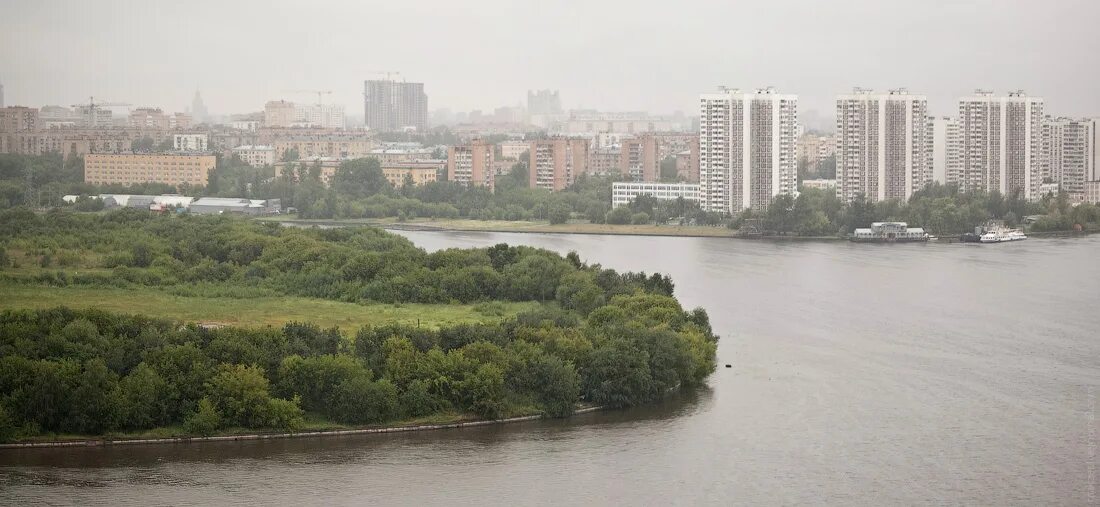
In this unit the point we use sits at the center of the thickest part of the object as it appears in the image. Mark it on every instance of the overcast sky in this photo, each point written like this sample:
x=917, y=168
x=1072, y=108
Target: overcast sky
x=622, y=55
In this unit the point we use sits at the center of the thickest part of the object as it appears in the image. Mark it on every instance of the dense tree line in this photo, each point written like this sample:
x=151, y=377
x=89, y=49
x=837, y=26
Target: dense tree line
x=235, y=255
x=940, y=209
x=91, y=373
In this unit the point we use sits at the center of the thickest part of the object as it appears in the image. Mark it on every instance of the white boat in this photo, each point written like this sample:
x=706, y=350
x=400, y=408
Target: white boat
x=1001, y=235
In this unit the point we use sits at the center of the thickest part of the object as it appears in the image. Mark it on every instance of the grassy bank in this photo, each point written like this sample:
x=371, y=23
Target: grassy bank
x=251, y=312
x=543, y=227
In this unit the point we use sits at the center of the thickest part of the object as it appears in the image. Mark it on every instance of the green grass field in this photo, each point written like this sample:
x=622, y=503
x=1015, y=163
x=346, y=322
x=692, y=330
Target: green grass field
x=251, y=312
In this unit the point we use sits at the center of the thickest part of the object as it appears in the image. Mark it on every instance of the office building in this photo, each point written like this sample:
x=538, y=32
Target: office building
x=131, y=168
x=471, y=164
x=884, y=145
x=1001, y=144
x=747, y=148
x=554, y=163
x=394, y=105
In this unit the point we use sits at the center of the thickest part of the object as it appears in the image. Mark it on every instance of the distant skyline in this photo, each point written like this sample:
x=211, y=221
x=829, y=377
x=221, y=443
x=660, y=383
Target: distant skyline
x=610, y=56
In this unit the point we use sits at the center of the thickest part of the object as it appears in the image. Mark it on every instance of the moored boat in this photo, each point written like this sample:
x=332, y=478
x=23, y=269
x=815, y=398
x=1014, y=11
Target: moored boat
x=1002, y=235
x=889, y=232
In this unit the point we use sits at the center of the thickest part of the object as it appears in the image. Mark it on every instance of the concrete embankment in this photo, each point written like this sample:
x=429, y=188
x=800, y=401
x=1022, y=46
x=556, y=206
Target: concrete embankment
x=274, y=436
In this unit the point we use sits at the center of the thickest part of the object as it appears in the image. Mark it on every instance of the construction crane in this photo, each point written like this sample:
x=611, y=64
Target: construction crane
x=388, y=73
x=318, y=92
x=92, y=105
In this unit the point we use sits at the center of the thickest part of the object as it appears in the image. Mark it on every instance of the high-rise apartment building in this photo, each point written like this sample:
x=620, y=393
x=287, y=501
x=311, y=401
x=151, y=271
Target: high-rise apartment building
x=946, y=147
x=747, y=148
x=394, y=105
x=884, y=145
x=639, y=159
x=471, y=164
x=18, y=119
x=555, y=163
x=149, y=117
x=328, y=116
x=1070, y=152
x=544, y=102
x=1000, y=138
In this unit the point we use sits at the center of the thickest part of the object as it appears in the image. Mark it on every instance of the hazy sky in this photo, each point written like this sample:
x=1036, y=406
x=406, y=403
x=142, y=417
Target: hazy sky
x=623, y=55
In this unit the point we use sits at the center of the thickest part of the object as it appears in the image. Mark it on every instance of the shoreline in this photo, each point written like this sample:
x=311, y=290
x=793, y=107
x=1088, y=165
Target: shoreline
x=671, y=231
x=105, y=442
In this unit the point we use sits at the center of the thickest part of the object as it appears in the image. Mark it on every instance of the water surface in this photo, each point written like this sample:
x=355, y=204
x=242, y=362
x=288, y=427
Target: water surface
x=862, y=374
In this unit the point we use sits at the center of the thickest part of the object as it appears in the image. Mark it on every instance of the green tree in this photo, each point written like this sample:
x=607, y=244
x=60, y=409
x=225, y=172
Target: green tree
x=618, y=216
x=359, y=400
x=241, y=395
x=204, y=421
x=559, y=213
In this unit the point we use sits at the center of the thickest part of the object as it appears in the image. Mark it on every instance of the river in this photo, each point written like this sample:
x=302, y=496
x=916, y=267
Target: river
x=861, y=374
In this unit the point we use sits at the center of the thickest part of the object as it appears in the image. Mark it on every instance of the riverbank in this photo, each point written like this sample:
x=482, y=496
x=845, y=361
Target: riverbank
x=586, y=228
x=540, y=227
x=275, y=436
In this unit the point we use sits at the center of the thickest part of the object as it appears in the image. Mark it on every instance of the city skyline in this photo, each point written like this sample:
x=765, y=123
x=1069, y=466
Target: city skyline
x=660, y=74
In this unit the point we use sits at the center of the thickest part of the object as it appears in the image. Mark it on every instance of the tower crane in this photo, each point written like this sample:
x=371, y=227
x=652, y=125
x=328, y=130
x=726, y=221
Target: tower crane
x=388, y=73
x=318, y=92
x=92, y=106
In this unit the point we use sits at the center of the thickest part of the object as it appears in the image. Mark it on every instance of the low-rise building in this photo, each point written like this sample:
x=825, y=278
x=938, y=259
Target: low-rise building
x=512, y=150
x=819, y=184
x=335, y=146
x=395, y=155
x=420, y=172
x=624, y=192
x=245, y=125
x=131, y=168
x=255, y=155
x=221, y=205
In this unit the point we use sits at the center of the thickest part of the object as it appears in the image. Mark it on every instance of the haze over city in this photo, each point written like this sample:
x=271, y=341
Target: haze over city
x=654, y=56
x=434, y=252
